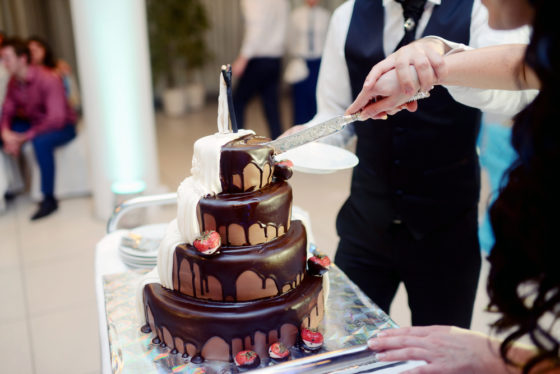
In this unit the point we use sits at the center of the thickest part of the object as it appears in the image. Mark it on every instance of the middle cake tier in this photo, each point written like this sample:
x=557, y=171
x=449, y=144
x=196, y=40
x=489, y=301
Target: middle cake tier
x=243, y=273
x=248, y=218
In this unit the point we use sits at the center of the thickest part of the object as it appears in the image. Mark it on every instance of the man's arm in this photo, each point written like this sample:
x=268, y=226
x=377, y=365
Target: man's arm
x=8, y=109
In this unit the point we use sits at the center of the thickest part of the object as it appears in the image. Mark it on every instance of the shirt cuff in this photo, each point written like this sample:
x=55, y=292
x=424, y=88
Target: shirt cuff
x=452, y=46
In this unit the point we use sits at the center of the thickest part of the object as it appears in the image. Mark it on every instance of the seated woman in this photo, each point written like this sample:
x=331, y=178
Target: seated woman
x=42, y=55
x=524, y=281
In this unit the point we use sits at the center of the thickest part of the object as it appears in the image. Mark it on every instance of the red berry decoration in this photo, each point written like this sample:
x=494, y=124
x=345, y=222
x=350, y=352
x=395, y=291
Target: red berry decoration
x=283, y=169
x=318, y=264
x=208, y=243
x=247, y=359
x=278, y=351
x=286, y=163
x=311, y=338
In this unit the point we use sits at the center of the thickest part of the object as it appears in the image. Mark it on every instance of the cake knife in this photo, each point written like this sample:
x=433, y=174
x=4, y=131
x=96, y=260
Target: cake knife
x=323, y=129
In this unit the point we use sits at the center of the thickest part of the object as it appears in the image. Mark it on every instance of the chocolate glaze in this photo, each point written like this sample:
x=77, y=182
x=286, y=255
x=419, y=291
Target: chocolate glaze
x=266, y=207
x=193, y=322
x=197, y=359
x=146, y=329
x=239, y=153
x=282, y=172
x=281, y=260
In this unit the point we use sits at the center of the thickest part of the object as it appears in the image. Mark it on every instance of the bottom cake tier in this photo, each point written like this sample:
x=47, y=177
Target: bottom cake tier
x=217, y=331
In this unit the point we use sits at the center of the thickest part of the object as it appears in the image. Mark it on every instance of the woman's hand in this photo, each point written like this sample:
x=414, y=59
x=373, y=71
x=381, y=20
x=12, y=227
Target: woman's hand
x=384, y=98
x=416, y=66
x=446, y=349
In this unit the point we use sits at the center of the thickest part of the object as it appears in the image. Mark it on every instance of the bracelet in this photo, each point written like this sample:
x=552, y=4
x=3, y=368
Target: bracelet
x=420, y=95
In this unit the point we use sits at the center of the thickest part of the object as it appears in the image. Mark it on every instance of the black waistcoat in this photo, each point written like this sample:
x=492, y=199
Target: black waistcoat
x=419, y=168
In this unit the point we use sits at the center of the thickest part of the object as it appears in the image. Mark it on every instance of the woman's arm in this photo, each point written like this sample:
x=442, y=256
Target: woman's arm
x=497, y=67
x=422, y=64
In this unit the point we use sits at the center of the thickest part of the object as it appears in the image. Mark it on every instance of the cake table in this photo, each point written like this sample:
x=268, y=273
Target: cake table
x=350, y=318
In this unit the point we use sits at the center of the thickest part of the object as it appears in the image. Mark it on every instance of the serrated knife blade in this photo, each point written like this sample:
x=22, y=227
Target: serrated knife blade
x=324, y=129
x=312, y=133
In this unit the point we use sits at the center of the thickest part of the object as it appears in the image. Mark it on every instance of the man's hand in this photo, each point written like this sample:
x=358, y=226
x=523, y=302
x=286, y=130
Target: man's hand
x=13, y=141
x=239, y=65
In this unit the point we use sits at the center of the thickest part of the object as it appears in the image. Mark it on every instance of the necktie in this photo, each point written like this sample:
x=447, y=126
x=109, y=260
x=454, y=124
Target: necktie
x=412, y=11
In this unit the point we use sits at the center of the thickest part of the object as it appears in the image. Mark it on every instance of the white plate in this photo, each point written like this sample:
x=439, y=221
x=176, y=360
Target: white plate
x=136, y=261
x=319, y=158
x=136, y=253
x=148, y=236
x=153, y=231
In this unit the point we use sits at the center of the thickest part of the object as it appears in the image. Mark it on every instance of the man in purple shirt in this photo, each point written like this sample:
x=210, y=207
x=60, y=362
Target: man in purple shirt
x=35, y=109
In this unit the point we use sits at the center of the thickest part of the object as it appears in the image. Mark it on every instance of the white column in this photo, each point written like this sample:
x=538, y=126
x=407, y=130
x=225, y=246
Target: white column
x=114, y=69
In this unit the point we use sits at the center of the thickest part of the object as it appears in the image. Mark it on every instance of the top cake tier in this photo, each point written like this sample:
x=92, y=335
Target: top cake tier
x=246, y=164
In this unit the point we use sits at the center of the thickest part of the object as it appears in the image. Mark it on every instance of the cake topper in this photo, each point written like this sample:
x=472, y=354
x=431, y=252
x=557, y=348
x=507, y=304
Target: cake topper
x=226, y=75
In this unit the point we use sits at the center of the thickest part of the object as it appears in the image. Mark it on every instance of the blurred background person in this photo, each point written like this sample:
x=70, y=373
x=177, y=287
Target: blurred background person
x=35, y=109
x=42, y=54
x=259, y=63
x=4, y=75
x=4, y=183
x=306, y=39
x=11, y=181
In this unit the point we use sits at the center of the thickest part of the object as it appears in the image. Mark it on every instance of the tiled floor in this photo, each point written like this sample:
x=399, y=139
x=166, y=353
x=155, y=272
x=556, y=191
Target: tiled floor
x=48, y=318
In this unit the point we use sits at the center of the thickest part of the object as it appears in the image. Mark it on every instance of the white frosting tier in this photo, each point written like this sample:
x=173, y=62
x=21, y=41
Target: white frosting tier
x=205, y=180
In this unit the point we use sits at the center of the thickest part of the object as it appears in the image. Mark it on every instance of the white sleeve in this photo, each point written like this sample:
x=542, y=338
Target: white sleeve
x=252, y=10
x=334, y=93
x=481, y=35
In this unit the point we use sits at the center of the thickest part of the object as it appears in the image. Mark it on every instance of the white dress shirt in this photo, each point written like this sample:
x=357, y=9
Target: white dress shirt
x=334, y=92
x=308, y=22
x=266, y=24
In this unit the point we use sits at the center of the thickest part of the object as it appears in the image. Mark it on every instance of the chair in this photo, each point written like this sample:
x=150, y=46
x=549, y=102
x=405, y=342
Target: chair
x=72, y=170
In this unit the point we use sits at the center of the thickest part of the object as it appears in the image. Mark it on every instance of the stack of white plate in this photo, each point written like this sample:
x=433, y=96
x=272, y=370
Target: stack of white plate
x=139, y=246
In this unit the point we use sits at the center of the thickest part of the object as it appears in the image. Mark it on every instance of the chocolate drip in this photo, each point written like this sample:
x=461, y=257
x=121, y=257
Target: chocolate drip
x=146, y=329
x=156, y=340
x=174, y=351
x=197, y=321
x=267, y=207
x=281, y=260
x=198, y=359
x=239, y=153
